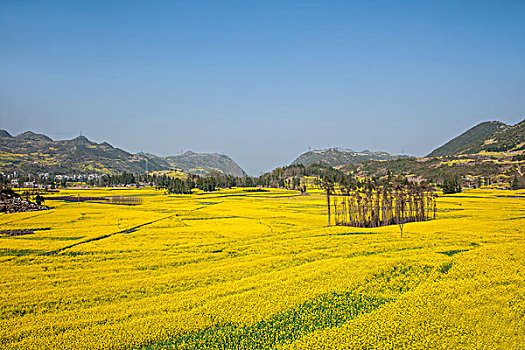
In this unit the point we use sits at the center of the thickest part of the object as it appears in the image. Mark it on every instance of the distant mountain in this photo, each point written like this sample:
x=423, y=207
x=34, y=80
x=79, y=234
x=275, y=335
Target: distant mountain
x=338, y=156
x=4, y=133
x=202, y=163
x=36, y=153
x=465, y=142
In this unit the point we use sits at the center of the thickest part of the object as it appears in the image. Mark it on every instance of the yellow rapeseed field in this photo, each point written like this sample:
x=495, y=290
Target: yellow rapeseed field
x=235, y=269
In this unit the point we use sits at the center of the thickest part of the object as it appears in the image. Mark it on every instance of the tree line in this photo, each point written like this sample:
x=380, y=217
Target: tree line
x=290, y=177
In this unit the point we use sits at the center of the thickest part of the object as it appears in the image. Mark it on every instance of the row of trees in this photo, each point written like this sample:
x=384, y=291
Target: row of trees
x=124, y=178
x=287, y=177
x=371, y=203
x=291, y=177
x=450, y=178
x=208, y=183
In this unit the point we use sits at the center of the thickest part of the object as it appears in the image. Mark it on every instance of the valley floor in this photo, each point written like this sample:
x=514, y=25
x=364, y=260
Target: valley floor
x=260, y=270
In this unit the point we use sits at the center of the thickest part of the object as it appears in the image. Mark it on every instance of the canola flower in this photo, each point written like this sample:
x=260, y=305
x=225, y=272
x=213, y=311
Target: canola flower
x=259, y=270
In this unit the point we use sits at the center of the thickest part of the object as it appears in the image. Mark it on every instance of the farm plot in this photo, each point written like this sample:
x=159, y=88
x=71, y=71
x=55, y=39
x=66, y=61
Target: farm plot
x=260, y=270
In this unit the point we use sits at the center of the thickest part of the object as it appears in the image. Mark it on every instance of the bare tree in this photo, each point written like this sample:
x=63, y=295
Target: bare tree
x=328, y=185
x=370, y=204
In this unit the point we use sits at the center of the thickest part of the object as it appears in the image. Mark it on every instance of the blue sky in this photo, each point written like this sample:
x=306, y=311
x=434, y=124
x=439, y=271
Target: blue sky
x=261, y=81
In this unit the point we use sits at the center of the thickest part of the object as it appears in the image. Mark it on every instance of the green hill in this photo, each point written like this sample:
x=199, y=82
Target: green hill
x=506, y=139
x=461, y=143
x=489, y=150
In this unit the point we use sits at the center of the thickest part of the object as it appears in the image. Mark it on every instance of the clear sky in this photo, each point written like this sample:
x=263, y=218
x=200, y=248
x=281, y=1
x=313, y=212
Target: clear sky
x=261, y=81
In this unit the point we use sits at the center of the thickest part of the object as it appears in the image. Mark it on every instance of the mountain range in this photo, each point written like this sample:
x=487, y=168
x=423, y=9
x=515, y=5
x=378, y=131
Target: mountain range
x=34, y=153
x=37, y=153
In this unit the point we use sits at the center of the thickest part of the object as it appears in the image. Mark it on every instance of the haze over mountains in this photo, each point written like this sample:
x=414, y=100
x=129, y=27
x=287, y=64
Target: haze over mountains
x=34, y=153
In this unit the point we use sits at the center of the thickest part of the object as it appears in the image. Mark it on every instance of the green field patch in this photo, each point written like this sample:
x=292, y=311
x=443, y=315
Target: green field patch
x=518, y=218
x=15, y=233
x=355, y=233
x=18, y=252
x=212, y=218
x=373, y=252
x=325, y=311
x=21, y=232
x=448, y=210
x=453, y=252
x=445, y=268
x=50, y=238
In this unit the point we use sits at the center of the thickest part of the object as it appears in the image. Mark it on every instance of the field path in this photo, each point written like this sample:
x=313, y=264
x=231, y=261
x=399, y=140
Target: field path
x=129, y=230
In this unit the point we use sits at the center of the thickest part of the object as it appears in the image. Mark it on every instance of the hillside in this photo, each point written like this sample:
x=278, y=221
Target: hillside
x=488, y=150
x=464, y=142
x=337, y=156
x=434, y=169
x=203, y=163
x=37, y=153
x=506, y=139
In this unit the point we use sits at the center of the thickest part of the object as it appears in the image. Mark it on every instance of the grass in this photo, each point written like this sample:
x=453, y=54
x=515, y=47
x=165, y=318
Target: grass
x=260, y=270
